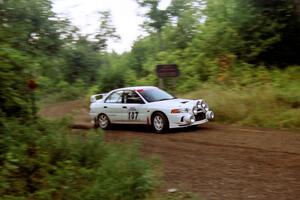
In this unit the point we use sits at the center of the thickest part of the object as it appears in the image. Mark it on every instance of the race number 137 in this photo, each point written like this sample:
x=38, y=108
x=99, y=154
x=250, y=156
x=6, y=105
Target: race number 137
x=133, y=115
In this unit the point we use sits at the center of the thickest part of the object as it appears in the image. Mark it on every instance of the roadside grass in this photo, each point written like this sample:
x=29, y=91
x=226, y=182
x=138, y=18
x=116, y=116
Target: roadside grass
x=44, y=160
x=258, y=106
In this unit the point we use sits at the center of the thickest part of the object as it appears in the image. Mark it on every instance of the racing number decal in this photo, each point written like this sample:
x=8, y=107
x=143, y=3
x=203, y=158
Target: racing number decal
x=133, y=115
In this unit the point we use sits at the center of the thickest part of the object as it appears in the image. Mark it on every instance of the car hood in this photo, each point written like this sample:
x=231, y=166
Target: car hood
x=175, y=103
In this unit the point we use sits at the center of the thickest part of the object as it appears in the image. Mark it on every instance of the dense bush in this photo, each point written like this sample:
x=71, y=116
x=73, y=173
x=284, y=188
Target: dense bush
x=261, y=97
x=45, y=161
x=62, y=91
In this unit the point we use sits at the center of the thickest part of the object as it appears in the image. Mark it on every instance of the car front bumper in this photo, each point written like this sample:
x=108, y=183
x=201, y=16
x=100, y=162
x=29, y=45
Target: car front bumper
x=188, y=119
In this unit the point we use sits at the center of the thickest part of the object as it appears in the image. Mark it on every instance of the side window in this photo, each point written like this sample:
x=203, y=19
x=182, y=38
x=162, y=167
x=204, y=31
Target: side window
x=132, y=97
x=115, y=97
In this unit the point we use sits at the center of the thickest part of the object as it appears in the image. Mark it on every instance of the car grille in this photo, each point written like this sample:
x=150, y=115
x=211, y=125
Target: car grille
x=200, y=116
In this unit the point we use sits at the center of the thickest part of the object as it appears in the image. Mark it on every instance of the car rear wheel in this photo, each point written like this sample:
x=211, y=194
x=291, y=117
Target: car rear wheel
x=103, y=121
x=160, y=123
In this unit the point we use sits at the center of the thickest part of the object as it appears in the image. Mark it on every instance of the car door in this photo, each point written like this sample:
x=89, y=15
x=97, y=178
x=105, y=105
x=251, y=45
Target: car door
x=136, y=109
x=113, y=107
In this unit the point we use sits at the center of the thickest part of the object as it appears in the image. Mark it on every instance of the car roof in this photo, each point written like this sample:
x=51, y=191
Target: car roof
x=135, y=88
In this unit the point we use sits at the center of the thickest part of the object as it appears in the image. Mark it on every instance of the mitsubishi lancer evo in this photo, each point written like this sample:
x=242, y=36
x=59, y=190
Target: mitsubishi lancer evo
x=147, y=105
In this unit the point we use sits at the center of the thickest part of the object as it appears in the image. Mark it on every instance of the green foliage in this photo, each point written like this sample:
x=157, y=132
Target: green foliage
x=126, y=180
x=200, y=34
x=14, y=94
x=157, y=18
x=106, y=31
x=113, y=75
x=232, y=43
x=229, y=52
x=82, y=62
x=241, y=102
x=29, y=38
x=50, y=92
x=142, y=51
x=27, y=25
x=44, y=161
x=37, y=44
x=184, y=21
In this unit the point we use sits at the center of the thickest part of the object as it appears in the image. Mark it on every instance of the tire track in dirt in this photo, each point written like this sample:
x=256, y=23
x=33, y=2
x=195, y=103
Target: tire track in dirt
x=223, y=171
x=190, y=141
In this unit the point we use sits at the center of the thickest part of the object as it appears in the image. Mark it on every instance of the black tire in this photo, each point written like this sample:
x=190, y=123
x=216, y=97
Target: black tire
x=102, y=122
x=160, y=122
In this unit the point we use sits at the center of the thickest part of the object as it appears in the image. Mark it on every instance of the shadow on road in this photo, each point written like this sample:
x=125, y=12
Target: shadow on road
x=148, y=129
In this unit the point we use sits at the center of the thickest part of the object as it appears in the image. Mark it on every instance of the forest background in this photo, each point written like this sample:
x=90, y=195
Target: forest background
x=241, y=56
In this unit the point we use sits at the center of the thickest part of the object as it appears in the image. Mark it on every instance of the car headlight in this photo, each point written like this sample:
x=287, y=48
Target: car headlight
x=198, y=105
x=180, y=110
x=204, y=105
x=195, y=110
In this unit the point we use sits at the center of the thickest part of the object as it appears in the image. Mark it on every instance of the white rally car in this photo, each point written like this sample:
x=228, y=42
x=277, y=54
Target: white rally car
x=147, y=105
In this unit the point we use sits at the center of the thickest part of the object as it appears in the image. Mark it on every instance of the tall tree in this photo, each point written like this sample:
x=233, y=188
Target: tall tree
x=184, y=16
x=156, y=18
x=286, y=13
x=106, y=31
x=28, y=36
x=30, y=26
x=256, y=31
x=82, y=62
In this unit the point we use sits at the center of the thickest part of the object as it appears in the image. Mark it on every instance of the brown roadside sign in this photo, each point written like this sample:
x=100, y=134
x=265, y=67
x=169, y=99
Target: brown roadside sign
x=32, y=84
x=167, y=70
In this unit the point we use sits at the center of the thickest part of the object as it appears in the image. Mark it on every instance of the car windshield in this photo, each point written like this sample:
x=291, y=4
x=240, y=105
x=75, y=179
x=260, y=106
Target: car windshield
x=155, y=94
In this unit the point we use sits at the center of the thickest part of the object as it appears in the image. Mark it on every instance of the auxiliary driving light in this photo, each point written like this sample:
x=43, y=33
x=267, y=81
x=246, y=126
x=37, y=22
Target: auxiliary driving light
x=192, y=119
x=210, y=115
x=204, y=105
x=189, y=120
x=195, y=110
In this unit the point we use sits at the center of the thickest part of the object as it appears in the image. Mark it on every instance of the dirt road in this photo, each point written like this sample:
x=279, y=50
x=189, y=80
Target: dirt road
x=216, y=161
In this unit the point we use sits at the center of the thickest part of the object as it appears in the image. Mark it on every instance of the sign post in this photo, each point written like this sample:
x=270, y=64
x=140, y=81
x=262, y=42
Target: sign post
x=166, y=71
x=32, y=85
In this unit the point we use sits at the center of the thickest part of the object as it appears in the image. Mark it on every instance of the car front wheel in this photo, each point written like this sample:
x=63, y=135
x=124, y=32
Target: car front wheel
x=160, y=123
x=103, y=121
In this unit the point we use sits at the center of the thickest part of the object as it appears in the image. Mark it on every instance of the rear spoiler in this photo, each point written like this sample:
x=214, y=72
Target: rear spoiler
x=96, y=97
